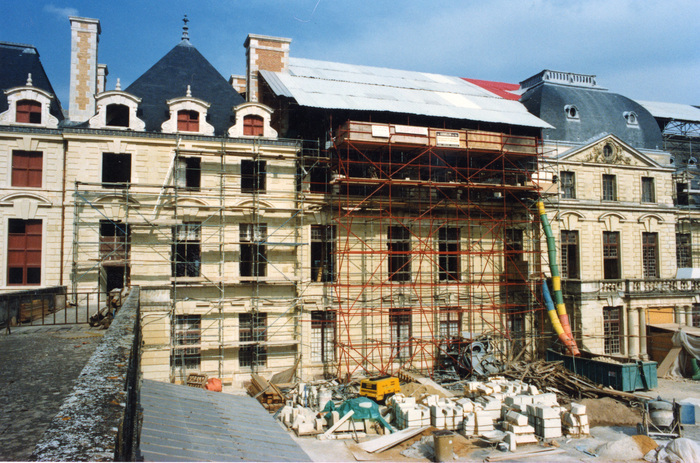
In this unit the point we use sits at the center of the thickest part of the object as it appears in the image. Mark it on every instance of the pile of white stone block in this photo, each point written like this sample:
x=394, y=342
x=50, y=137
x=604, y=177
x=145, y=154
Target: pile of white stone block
x=575, y=422
x=512, y=406
x=304, y=421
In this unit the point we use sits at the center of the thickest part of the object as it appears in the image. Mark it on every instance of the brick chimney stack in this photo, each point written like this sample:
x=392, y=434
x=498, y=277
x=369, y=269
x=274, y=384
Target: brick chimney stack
x=263, y=53
x=85, y=35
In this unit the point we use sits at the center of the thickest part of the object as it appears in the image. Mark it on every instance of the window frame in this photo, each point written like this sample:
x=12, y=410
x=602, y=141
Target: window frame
x=253, y=176
x=612, y=329
x=115, y=241
x=323, y=336
x=25, y=172
x=186, y=352
x=253, y=125
x=569, y=242
x=252, y=327
x=450, y=322
x=28, y=109
x=114, y=170
x=567, y=181
x=449, y=254
x=322, y=253
x=188, y=120
x=684, y=250
x=401, y=329
x=253, y=250
x=117, y=115
x=648, y=190
x=24, y=252
x=650, y=255
x=399, y=253
x=186, y=251
x=609, y=187
x=189, y=173
x=611, y=254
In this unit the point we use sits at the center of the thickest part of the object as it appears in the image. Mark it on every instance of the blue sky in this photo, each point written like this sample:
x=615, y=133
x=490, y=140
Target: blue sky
x=646, y=50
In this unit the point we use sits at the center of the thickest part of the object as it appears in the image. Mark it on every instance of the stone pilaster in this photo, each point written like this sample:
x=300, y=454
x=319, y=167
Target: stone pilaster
x=85, y=35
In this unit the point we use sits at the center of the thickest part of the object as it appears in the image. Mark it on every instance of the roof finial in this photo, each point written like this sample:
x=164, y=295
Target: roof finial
x=29, y=80
x=189, y=92
x=185, y=34
x=119, y=84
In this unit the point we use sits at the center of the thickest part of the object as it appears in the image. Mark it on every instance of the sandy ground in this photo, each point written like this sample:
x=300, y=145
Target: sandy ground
x=617, y=438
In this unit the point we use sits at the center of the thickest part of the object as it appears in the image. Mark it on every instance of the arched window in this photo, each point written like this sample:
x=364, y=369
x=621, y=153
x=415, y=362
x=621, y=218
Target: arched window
x=253, y=125
x=187, y=121
x=29, y=111
x=117, y=115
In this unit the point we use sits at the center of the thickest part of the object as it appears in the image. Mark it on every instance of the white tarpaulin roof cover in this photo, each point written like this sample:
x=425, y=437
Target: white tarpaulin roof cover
x=324, y=84
x=675, y=111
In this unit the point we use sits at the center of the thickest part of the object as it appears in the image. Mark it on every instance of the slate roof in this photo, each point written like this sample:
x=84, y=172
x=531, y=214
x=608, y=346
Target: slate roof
x=325, y=84
x=169, y=78
x=182, y=423
x=599, y=111
x=16, y=61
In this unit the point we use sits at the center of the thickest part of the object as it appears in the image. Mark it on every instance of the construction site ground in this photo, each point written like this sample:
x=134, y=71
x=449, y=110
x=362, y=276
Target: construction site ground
x=618, y=435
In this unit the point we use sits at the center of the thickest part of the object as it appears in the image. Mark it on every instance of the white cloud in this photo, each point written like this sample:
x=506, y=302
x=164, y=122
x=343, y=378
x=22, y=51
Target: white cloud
x=60, y=12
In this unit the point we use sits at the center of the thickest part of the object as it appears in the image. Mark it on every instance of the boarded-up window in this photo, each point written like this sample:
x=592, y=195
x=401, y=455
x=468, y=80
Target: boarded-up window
x=27, y=167
x=24, y=252
x=253, y=125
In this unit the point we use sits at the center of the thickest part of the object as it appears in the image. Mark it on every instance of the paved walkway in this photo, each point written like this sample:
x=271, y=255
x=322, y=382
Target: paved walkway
x=38, y=366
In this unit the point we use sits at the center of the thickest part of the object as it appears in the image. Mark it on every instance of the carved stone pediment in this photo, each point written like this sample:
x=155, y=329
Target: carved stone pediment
x=609, y=152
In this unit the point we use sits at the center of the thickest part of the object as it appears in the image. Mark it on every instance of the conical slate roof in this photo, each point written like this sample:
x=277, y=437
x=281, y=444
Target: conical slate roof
x=169, y=78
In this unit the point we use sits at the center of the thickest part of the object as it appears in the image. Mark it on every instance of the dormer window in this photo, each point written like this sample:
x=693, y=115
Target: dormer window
x=188, y=114
x=571, y=112
x=631, y=118
x=28, y=112
x=253, y=125
x=187, y=121
x=117, y=115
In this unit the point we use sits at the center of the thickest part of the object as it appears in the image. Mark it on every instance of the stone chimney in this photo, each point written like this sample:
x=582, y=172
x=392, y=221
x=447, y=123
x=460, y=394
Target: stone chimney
x=102, y=73
x=85, y=35
x=263, y=53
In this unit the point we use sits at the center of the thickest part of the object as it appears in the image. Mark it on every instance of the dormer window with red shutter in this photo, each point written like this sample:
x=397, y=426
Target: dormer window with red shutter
x=187, y=121
x=28, y=112
x=253, y=126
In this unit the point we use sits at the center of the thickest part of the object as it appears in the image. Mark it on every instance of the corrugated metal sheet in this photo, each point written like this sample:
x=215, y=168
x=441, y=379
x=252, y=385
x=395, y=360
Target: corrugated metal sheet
x=182, y=423
x=323, y=84
x=679, y=112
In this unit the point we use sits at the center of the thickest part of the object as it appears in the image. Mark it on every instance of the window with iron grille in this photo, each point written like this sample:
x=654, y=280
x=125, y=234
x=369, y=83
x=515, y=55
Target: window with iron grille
x=187, y=340
x=399, y=245
x=187, y=121
x=27, y=168
x=323, y=323
x=322, y=253
x=568, y=185
x=253, y=262
x=650, y=255
x=611, y=255
x=684, y=253
x=187, y=250
x=450, y=322
x=448, y=254
x=252, y=328
x=24, y=252
x=569, y=254
x=28, y=112
x=253, y=176
x=253, y=125
x=609, y=188
x=188, y=173
x=648, y=191
x=611, y=329
x=400, y=326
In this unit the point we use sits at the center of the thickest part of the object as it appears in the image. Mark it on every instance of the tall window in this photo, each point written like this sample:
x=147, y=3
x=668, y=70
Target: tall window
x=253, y=125
x=322, y=253
x=611, y=255
x=24, y=252
x=648, y=192
x=253, y=262
x=114, y=241
x=27, y=167
x=448, y=253
x=569, y=254
x=684, y=254
x=187, y=121
x=399, y=244
x=117, y=115
x=650, y=255
x=568, y=185
x=187, y=250
x=252, y=329
x=323, y=324
x=695, y=314
x=186, y=352
x=253, y=176
x=450, y=322
x=28, y=112
x=611, y=329
x=116, y=170
x=400, y=326
x=609, y=188
x=188, y=173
